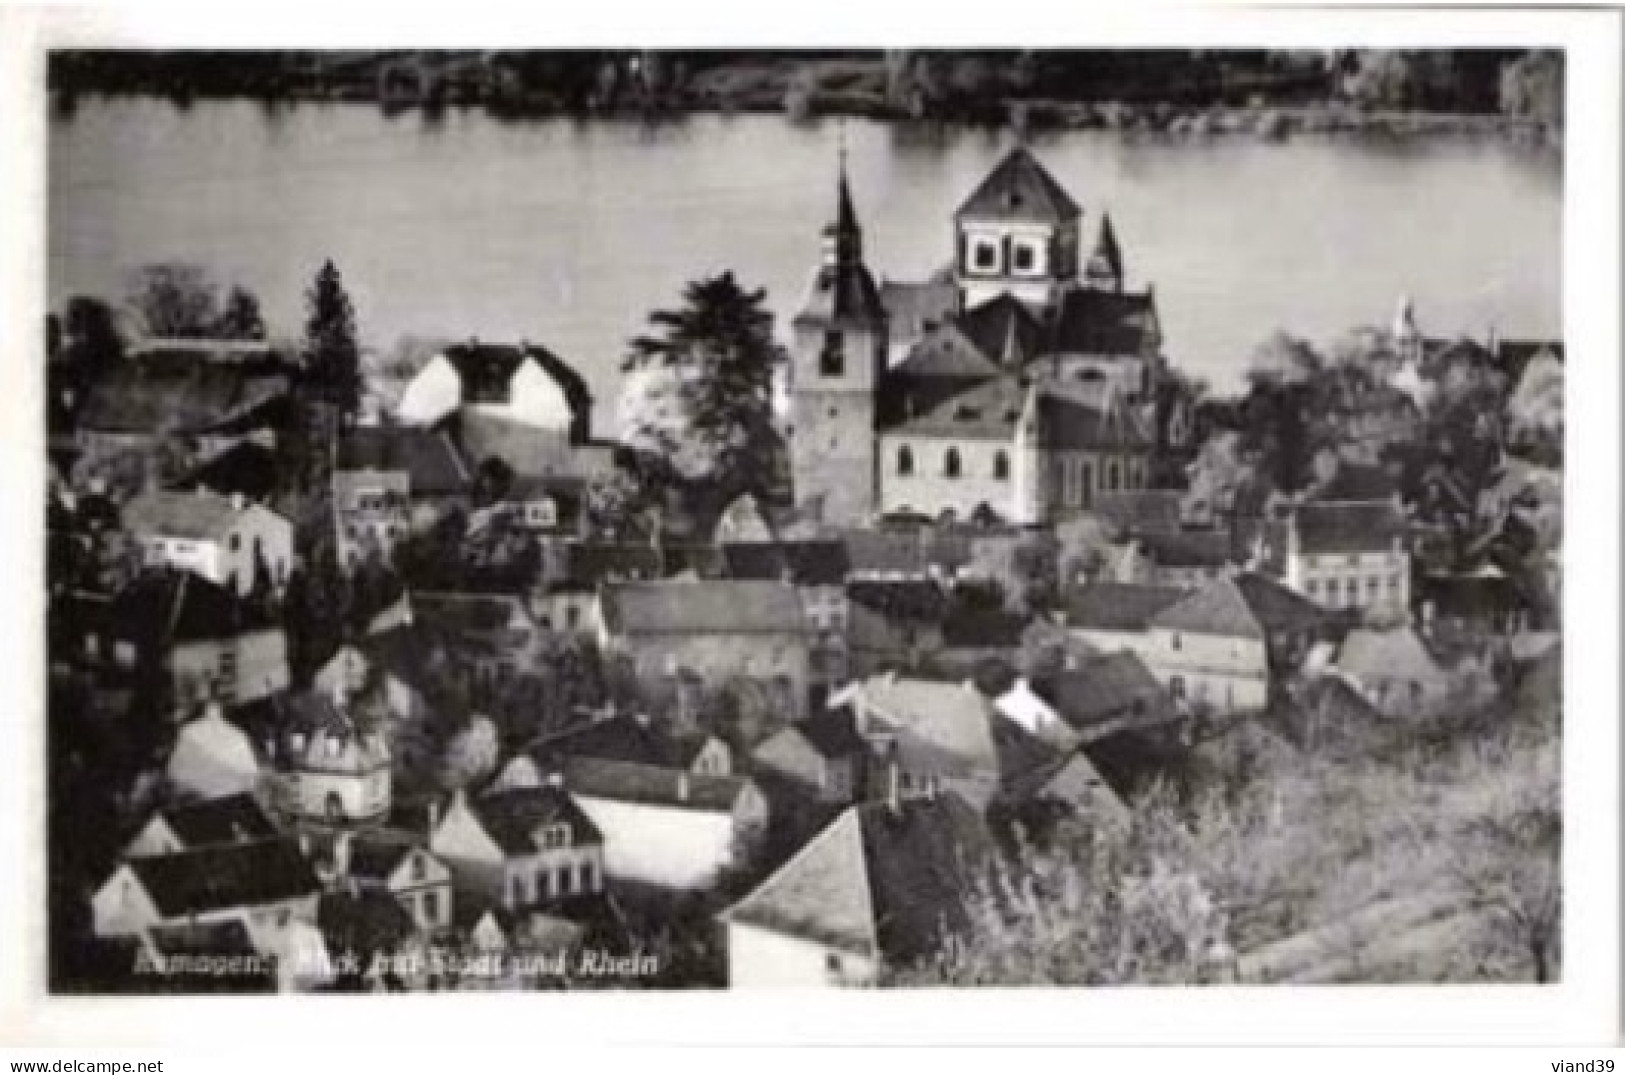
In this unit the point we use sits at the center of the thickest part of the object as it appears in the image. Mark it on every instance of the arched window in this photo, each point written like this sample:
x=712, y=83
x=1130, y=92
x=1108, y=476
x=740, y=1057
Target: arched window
x=950, y=463
x=905, y=461
x=1001, y=465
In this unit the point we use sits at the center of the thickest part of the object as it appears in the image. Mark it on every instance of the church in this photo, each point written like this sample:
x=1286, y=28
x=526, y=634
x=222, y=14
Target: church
x=1013, y=386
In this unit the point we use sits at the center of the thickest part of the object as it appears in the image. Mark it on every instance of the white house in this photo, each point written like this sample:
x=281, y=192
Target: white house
x=213, y=758
x=224, y=539
x=232, y=819
x=267, y=885
x=522, y=846
x=1348, y=555
x=525, y=384
x=668, y=828
x=418, y=879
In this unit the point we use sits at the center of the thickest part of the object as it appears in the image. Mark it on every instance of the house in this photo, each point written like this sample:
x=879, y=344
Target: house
x=1183, y=559
x=213, y=758
x=823, y=756
x=915, y=554
x=398, y=865
x=926, y=736
x=1393, y=670
x=187, y=826
x=817, y=569
x=393, y=481
x=1111, y=615
x=882, y=886
x=328, y=766
x=525, y=383
x=210, y=643
x=214, y=392
x=1206, y=647
x=267, y=885
x=666, y=828
x=521, y=847
x=718, y=629
x=1103, y=695
x=630, y=738
x=548, y=507
x=1347, y=554
x=228, y=540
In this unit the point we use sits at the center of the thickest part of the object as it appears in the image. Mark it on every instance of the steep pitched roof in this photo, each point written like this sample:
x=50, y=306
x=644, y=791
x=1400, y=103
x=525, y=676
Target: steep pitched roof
x=712, y=606
x=1091, y=321
x=1396, y=654
x=1216, y=609
x=428, y=457
x=487, y=370
x=1019, y=188
x=229, y=819
x=1104, y=691
x=653, y=785
x=1107, y=251
x=879, y=880
x=246, y=468
x=167, y=607
x=627, y=738
x=1360, y=526
x=199, y=514
x=1004, y=331
x=1118, y=606
x=831, y=732
x=953, y=718
x=377, y=853
x=912, y=307
x=512, y=817
x=1277, y=607
x=225, y=876
x=946, y=351
x=987, y=411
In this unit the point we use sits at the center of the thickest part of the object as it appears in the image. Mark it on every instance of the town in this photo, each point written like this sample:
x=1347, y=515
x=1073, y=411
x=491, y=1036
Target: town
x=949, y=632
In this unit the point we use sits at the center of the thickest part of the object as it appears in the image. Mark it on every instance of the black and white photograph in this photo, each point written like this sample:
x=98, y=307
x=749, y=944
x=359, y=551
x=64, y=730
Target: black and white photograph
x=544, y=519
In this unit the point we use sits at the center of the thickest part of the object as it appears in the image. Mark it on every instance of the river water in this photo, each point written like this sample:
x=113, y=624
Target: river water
x=568, y=233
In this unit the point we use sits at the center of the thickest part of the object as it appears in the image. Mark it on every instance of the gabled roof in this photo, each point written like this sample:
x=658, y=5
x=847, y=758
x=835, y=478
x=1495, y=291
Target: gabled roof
x=1186, y=548
x=178, y=392
x=1091, y=321
x=805, y=563
x=1396, y=654
x=1277, y=607
x=1004, y=331
x=226, y=820
x=428, y=457
x=912, y=307
x=1216, y=609
x=1020, y=188
x=512, y=817
x=1103, y=691
x=954, y=719
x=880, y=880
x=225, y=876
x=200, y=515
x=377, y=853
x=246, y=468
x=652, y=785
x=626, y=738
x=1118, y=606
x=843, y=294
x=487, y=370
x=708, y=606
x=1356, y=526
x=946, y=351
x=987, y=411
x=832, y=733
x=166, y=607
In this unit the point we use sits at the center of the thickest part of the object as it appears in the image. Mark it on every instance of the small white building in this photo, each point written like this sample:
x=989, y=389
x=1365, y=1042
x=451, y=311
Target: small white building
x=213, y=758
x=521, y=847
x=223, y=539
x=1348, y=555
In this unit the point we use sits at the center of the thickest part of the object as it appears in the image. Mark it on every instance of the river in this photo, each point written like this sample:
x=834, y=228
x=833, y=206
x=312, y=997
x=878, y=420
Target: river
x=568, y=232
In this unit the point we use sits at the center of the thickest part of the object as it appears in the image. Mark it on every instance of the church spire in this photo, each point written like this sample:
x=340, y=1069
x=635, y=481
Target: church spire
x=1106, y=264
x=844, y=238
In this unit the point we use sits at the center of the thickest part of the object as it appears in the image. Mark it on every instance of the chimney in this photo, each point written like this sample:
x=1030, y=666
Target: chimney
x=682, y=786
x=238, y=502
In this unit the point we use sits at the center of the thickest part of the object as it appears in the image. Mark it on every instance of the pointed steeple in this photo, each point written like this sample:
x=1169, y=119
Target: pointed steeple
x=1106, y=264
x=1012, y=356
x=843, y=240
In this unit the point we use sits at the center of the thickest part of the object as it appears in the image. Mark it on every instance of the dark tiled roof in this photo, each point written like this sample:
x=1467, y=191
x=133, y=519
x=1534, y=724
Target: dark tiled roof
x=166, y=607
x=1004, y=331
x=919, y=600
x=1095, y=322
x=653, y=785
x=832, y=732
x=988, y=411
x=168, y=392
x=246, y=468
x=1277, y=607
x=528, y=449
x=1216, y=609
x=427, y=456
x=947, y=352
x=1186, y=548
x=1332, y=527
x=592, y=563
x=225, y=876
x=1104, y=689
x=231, y=819
x=711, y=606
x=1118, y=606
x=806, y=563
x=376, y=853
x=843, y=294
x=1020, y=188
x=912, y=307
x=633, y=739
x=983, y=628
x=897, y=552
x=1514, y=355
x=199, y=514
x=512, y=816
